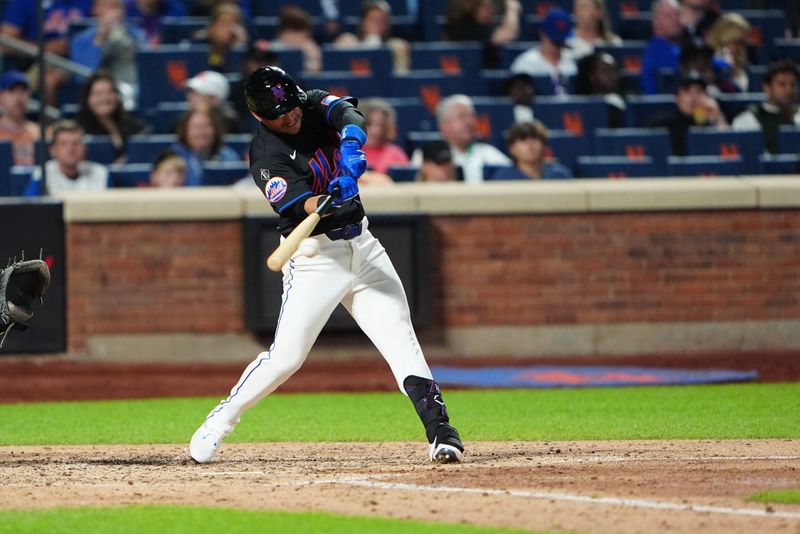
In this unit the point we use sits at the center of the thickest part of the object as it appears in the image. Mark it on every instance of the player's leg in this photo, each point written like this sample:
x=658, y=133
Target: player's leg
x=312, y=288
x=378, y=304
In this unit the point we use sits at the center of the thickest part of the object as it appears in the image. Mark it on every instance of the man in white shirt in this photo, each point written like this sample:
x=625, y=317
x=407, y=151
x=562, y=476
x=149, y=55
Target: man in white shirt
x=458, y=123
x=68, y=170
x=551, y=57
x=780, y=108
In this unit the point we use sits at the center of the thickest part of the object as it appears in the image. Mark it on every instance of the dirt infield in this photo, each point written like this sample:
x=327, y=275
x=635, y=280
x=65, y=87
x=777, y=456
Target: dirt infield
x=634, y=486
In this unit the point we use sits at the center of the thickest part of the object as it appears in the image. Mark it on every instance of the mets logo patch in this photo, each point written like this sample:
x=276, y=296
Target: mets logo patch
x=265, y=174
x=275, y=189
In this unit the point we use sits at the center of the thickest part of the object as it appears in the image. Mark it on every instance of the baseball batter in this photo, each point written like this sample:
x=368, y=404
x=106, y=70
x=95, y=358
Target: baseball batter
x=308, y=145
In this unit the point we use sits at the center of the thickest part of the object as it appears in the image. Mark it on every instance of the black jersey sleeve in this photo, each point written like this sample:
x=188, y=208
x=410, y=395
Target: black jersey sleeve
x=283, y=186
x=338, y=111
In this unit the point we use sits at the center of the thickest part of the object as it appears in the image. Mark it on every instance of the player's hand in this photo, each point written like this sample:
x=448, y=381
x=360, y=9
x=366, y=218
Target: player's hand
x=343, y=188
x=352, y=160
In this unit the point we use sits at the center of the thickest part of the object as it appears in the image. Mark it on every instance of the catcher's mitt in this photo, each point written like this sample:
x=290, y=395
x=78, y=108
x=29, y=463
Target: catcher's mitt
x=21, y=283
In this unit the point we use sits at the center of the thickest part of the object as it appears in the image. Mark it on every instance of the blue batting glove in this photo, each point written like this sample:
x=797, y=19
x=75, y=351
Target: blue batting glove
x=343, y=188
x=352, y=159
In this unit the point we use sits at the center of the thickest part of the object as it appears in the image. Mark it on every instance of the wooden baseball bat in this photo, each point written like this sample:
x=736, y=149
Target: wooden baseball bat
x=288, y=246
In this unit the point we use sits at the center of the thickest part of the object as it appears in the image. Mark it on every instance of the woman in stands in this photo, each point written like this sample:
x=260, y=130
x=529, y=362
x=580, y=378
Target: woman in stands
x=473, y=20
x=374, y=30
x=201, y=139
x=101, y=113
x=592, y=27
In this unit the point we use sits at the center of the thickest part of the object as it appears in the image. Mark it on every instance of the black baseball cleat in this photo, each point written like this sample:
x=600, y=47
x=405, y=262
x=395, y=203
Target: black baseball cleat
x=446, y=447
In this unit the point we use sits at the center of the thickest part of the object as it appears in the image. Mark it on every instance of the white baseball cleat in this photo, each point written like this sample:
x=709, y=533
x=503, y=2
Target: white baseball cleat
x=205, y=443
x=444, y=453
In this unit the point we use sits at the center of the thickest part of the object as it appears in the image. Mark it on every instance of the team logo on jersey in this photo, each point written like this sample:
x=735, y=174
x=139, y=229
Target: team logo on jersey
x=330, y=99
x=275, y=189
x=265, y=174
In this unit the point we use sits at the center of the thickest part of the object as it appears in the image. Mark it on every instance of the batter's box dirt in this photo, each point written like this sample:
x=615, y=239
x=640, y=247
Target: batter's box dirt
x=620, y=486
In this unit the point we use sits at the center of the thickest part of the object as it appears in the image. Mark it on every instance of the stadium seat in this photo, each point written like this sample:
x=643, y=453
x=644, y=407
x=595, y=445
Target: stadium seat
x=734, y=103
x=129, y=175
x=6, y=160
x=634, y=143
x=755, y=77
x=431, y=18
x=787, y=49
x=635, y=26
x=415, y=140
x=145, y=148
x=495, y=116
x=705, y=166
x=490, y=170
x=374, y=62
x=789, y=140
x=167, y=68
x=217, y=173
x=628, y=55
x=780, y=163
x=403, y=173
x=454, y=58
x=566, y=147
x=643, y=109
x=578, y=114
x=618, y=167
x=343, y=83
x=353, y=7
x=177, y=29
x=99, y=149
x=432, y=86
x=728, y=144
x=164, y=117
x=17, y=180
x=766, y=25
x=412, y=116
x=239, y=142
x=271, y=8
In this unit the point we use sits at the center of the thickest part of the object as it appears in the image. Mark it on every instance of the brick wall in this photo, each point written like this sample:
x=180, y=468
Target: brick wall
x=153, y=277
x=493, y=270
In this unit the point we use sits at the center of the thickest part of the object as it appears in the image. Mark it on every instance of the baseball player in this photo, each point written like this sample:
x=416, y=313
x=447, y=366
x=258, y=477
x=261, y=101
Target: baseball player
x=308, y=146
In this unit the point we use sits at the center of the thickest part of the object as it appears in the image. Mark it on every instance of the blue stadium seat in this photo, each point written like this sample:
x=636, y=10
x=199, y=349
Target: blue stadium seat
x=412, y=116
x=217, y=173
x=789, y=140
x=728, y=144
x=239, y=142
x=734, y=103
x=618, y=167
x=403, y=173
x=628, y=55
x=705, y=166
x=343, y=83
x=788, y=49
x=415, y=140
x=164, y=117
x=766, y=25
x=456, y=58
x=633, y=143
x=495, y=116
x=129, y=175
x=780, y=163
x=353, y=7
x=17, y=180
x=177, y=29
x=566, y=147
x=99, y=149
x=578, y=114
x=643, y=109
x=375, y=62
x=755, y=76
x=431, y=17
x=167, y=68
x=635, y=26
x=271, y=8
x=490, y=170
x=145, y=148
x=6, y=161
x=431, y=86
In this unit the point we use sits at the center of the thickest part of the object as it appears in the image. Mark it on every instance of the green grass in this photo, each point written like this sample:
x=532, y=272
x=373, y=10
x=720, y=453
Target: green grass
x=696, y=412
x=777, y=496
x=176, y=520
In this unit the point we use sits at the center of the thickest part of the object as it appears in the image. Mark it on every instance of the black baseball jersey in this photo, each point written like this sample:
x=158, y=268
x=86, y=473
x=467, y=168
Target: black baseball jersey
x=290, y=168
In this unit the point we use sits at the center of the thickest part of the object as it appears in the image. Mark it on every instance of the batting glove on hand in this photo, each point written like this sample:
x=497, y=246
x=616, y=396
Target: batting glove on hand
x=342, y=189
x=352, y=160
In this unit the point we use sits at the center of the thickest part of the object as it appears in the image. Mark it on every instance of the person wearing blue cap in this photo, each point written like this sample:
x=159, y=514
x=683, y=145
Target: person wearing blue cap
x=14, y=124
x=551, y=57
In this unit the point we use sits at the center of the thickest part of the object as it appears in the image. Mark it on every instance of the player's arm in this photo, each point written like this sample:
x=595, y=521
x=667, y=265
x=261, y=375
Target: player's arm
x=285, y=190
x=342, y=115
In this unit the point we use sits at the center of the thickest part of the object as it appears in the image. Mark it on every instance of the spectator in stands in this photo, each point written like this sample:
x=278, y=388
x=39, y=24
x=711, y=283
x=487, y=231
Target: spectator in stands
x=169, y=170
x=205, y=8
x=663, y=49
x=381, y=118
x=780, y=108
x=473, y=20
x=14, y=124
x=457, y=122
x=695, y=108
x=20, y=21
x=147, y=14
x=592, y=28
x=374, y=30
x=519, y=87
x=111, y=43
x=598, y=74
x=527, y=142
x=201, y=136
x=211, y=89
x=224, y=31
x=728, y=37
x=258, y=54
x=700, y=59
x=697, y=17
x=296, y=31
x=68, y=170
x=437, y=163
x=551, y=57
x=101, y=113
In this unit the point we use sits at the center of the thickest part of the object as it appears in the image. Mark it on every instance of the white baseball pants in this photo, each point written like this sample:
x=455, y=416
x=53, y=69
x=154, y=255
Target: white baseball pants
x=359, y=274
